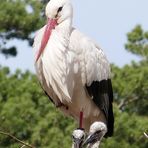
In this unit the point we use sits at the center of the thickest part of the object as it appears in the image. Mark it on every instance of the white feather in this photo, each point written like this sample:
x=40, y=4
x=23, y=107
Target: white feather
x=69, y=62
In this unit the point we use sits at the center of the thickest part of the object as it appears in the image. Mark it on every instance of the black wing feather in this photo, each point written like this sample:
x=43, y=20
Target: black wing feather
x=102, y=95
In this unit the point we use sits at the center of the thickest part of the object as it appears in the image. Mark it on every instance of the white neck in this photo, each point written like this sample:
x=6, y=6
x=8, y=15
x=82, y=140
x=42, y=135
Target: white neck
x=72, y=145
x=64, y=28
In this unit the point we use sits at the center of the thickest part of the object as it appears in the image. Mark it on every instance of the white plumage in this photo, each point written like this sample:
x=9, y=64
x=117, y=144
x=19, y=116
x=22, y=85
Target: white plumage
x=68, y=66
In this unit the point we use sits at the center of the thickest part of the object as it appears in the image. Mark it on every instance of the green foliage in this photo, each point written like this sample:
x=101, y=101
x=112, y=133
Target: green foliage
x=129, y=130
x=131, y=87
x=138, y=42
x=26, y=113
x=131, y=81
x=18, y=19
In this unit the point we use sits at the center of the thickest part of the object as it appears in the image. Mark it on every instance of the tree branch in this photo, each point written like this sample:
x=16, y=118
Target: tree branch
x=126, y=102
x=16, y=139
x=146, y=135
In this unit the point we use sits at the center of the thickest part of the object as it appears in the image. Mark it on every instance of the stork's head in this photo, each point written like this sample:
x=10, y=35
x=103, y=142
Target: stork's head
x=57, y=12
x=78, y=136
x=96, y=133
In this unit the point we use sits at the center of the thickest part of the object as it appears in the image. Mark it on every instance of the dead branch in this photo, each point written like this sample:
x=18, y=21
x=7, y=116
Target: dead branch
x=126, y=102
x=16, y=139
x=146, y=135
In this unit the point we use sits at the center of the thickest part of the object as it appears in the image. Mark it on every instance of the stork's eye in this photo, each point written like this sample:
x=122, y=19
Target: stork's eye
x=60, y=9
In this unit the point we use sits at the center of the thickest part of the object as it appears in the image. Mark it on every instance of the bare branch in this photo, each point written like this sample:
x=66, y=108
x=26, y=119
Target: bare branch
x=126, y=102
x=146, y=135
x=23, y=146
x=16, y=139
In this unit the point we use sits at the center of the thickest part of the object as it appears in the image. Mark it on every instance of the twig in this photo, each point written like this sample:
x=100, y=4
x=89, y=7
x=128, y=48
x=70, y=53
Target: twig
x=145, y=134
x=16, y=139
x=23, y=146
x=126, y=102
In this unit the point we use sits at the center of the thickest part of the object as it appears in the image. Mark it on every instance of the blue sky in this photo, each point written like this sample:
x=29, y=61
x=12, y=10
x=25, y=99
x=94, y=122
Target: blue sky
x=105, y=21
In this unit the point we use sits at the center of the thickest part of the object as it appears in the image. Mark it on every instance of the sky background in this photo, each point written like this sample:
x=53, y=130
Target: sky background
x=105, y=21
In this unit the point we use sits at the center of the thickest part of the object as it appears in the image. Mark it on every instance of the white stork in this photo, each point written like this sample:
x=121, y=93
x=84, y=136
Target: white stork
x=72, y=69
x=78, y=137
x=96, y=133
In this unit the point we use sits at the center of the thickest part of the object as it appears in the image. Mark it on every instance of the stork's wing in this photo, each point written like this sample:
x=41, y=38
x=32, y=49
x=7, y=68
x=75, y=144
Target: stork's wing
x=102, y=94
x=95, y=74
x=99, y=85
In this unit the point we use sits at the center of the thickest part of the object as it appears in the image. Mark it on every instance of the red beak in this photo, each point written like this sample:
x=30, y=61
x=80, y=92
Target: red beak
x=50, y=25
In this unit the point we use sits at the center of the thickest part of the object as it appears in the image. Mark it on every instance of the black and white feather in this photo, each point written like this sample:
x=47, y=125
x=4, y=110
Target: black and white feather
x=74, y=71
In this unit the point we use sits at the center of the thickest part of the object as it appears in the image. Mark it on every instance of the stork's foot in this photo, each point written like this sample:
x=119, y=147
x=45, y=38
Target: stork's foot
x=96, y=133
x=78, y=137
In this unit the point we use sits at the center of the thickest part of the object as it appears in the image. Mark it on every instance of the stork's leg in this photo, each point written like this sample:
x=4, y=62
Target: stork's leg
x=96, y=133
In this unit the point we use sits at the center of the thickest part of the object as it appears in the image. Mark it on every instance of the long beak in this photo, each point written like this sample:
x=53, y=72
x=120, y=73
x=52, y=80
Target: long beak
x=93, y=138
x=50, y=25
x=89, y=140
